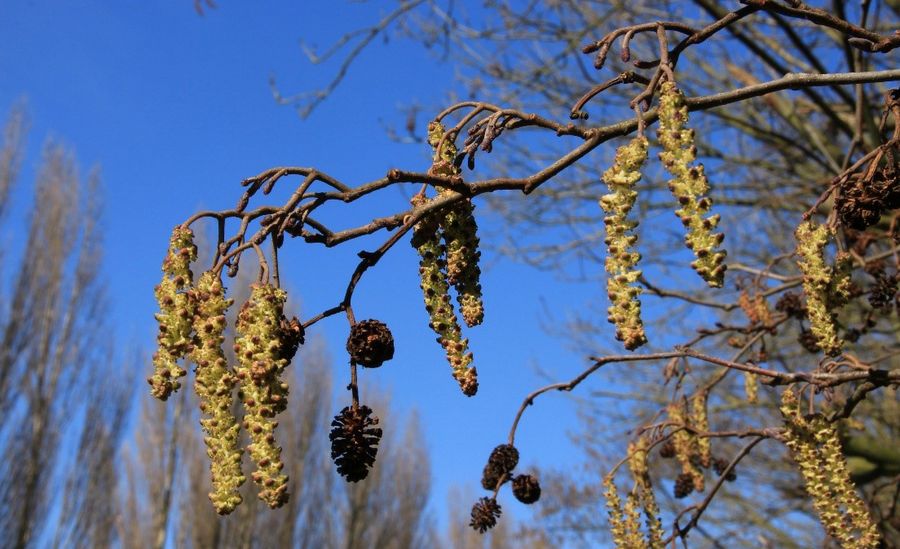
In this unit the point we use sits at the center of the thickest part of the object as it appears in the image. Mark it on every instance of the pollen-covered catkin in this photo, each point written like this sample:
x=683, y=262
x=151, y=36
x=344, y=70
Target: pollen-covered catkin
x=214, y=384
x=625, y=308
x=751, y=387
x=433, y=281
x=459, y=231
x=176, y=314
x=818, y=284
x=815, y=447
x=700, y=421
x=689, y=185
x=685, y=444
x=640, y=472
x=614, y=509
x=259, y=346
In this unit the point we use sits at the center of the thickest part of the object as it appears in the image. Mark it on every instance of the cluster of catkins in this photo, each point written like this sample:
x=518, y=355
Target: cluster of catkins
x=497, y=471
x=688, y=184
x=192, y=324
x=816, y=448
x=354, y=435
x=448, y=250
x=625, y=522
x=693, y=451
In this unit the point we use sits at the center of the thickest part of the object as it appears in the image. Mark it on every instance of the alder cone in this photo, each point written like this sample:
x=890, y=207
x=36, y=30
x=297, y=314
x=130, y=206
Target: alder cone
x=484, y=514
x=684, y=485
x=862, y=204
x=503, y=460
x=526, y=488
x=354, y=442
x=719, y=465
x=370, y=343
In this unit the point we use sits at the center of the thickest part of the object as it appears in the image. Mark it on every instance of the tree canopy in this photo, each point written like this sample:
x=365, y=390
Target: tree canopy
x=768, y=127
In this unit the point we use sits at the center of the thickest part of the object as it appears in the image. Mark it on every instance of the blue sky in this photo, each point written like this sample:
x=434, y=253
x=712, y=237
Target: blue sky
x=176, y=110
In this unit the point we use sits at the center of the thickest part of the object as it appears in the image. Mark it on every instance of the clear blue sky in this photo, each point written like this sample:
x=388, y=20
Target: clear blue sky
x=176, y=110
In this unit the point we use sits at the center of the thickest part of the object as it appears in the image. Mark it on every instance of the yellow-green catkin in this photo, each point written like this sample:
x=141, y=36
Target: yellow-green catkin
x=839, y=289
x=700, y=421
x=176, y=314
x=815, y=447
x=259, y=348
x=214, y=384
x=634, y=537
x=614, y=509
x=625, y=308
x=689, y=185
x=640, y=472
x=819, y=284
x=459, y=232
x=685, y=443
x=751, y=387
x=436, y=291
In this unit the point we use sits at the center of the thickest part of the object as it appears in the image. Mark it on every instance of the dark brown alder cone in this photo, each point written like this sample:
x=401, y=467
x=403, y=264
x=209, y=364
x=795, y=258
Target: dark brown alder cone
x=526, y=488
x=808, y=341
x=354, y=442
x=862, y=203
x=684, y=485
x=370, y=343
x=292, y=337
x=719, y=465
x=484, y=514
x=502, y=461
x=791, y=304
x=883, y=292
x=667, y=450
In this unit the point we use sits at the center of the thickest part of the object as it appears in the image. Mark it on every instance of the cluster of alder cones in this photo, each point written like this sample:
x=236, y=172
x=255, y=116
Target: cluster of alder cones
x=498, y=471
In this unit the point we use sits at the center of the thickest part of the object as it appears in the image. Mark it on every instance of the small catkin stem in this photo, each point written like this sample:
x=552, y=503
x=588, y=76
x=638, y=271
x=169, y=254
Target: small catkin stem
x=176, y=313
x=625, y=308
x=819, y=284
x=214, y=384
x=259, y=346
x=689, y=185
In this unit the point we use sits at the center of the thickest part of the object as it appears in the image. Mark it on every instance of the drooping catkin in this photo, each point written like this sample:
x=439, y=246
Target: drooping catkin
x=214, y=384
x=818, y=284
x=689, y=185
x=700, y=421
x=685, y=444
x=176, y=313
x=814, y=446
x=260, y=348
x=634, y=538
x=459, y=231
x=433, y=281
x=625, y=308
x=751, y=387
x=640, y=472
x=614, y=509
